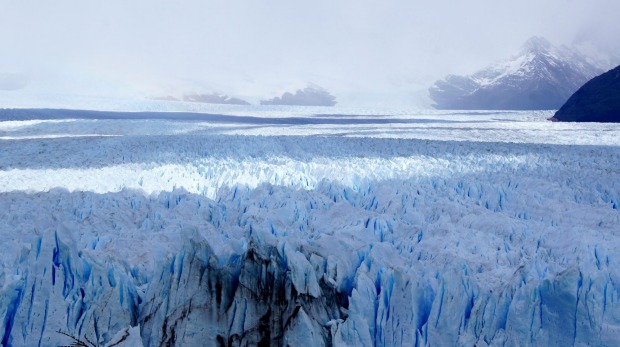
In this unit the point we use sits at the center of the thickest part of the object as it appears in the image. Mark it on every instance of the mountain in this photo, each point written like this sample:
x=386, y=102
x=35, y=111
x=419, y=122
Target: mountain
x=597, y=101
x=215, y=99
x=212, y=98
x=312, y=95
x=541, y=76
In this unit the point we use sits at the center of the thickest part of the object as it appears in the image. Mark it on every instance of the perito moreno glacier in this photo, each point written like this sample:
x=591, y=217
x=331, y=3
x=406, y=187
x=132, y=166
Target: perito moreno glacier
x=300, y=226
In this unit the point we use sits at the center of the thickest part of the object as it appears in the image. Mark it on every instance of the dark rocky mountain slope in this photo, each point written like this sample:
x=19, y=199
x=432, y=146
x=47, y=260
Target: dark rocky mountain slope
x=597, y=101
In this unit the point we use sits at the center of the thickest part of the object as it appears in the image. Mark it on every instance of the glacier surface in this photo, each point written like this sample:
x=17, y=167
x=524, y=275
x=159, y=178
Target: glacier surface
x=286, y=227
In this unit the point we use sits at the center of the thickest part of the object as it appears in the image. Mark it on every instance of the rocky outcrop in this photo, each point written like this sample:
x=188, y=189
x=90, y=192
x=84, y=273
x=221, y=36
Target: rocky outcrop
x=310, y=96
x=597, y=101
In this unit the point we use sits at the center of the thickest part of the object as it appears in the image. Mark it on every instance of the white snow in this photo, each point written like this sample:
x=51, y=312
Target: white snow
x=484, y=228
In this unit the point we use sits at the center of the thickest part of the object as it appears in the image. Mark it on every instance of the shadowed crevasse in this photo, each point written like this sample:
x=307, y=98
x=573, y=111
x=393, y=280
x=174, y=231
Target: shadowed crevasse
x=251, y=301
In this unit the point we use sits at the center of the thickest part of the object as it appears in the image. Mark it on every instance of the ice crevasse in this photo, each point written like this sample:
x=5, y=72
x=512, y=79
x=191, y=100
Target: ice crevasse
x=476, y=249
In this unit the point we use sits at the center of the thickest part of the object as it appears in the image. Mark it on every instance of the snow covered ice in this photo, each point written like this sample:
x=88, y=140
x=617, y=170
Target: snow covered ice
x=287, y=226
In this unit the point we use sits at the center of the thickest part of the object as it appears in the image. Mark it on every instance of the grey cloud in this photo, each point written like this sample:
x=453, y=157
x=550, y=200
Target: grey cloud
x=12, y=81
x=254, y=49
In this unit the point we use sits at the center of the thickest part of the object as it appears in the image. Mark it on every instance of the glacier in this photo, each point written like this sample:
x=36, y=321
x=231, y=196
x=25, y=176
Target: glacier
x=289, y=226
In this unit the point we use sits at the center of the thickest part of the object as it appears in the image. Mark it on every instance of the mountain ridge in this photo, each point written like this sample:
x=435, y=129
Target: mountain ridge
x=312, y=95
x=540, y=76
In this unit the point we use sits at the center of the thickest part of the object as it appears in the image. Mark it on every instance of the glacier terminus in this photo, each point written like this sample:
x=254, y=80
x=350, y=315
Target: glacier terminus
x=287, y=226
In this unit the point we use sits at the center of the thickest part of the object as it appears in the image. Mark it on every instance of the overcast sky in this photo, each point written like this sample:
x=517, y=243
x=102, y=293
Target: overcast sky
x=257, y=49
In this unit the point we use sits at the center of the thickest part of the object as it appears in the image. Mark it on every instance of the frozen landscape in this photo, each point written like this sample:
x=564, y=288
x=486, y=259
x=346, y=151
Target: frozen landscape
x=276, y=226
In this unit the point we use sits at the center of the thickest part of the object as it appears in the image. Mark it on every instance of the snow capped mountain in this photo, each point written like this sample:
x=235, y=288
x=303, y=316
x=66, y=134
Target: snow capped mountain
x=541, y=76
x=329, y=229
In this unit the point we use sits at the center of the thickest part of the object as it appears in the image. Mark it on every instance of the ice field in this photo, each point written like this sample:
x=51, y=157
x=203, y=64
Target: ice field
x=276, y=226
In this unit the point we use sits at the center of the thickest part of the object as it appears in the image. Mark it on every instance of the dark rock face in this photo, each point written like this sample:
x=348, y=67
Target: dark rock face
x=309, y=96
x=597, y=101
x=540, y=77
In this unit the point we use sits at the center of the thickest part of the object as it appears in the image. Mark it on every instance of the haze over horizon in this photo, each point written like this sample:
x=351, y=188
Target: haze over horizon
x=361, y=51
